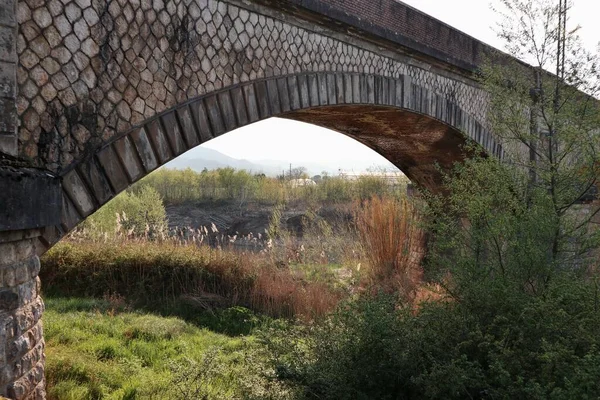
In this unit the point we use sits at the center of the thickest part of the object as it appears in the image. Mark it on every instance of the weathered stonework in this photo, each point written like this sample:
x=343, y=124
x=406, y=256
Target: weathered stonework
x=8, y=78
x=91, y=70
x=21, y=307
x=101, y=92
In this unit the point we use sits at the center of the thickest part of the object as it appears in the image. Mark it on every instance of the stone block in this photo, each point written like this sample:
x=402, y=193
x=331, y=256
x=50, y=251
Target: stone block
x=9, y=279
x=313, y=90
x=391, y=92
x=22, y=271
x=20, y=210
x=364, y=89
x=8, y=143
x=339, y=89
x=294, y=93
x=214, y=115
x=303, y=91
x=8, y=117
x=173, y=133
x=385, y=91
x=27, y=292
x=262, y=97
x=78, y=194
x=144, y=148
x=355, y=89
x=7, y=12
x=239, y=106
x=113, y=169
x=129, y=158
x=407, y=90
x=201, y=118
x=399, y=93
x=370, y=85
x=378, y=90
x=284, y=95
x=8, y=80
x=188, y=128
x=348, y=99
x=331, y=89
x=34, y=267
x=8, y=41
x=18, y=347
x=273, y=98
x=9, y=301
x=159, y=141
x=227, y=112
x=90, y=171
x=251, y=103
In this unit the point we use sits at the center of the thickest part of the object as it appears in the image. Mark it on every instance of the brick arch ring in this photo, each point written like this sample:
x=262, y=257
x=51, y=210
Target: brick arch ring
x=417, y=130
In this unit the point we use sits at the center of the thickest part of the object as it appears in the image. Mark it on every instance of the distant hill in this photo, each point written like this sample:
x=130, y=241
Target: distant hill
x=202, y=157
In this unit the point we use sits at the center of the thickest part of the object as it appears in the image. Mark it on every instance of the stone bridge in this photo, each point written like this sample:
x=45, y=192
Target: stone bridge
x=95, y=94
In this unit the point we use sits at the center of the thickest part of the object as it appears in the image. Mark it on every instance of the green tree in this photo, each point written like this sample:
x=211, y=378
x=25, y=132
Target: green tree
x=548, y=123
x=141, y=213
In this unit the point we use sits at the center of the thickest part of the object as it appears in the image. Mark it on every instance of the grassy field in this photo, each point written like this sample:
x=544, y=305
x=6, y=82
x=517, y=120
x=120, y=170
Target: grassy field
x=100, y=349
x=143, y=318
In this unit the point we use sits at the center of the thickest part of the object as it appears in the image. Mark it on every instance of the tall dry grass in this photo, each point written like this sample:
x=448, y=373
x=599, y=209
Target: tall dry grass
x=393, y=244
x=151, y=272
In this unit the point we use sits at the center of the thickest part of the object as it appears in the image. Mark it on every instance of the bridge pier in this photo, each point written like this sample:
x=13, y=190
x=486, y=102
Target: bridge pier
x=21, y=307
x=30, y=201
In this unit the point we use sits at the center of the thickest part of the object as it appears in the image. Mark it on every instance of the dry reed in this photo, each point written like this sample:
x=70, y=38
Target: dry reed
x=393, y=244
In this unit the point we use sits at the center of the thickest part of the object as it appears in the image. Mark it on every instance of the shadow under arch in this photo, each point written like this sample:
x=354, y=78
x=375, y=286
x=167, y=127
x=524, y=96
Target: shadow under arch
x=409, y=125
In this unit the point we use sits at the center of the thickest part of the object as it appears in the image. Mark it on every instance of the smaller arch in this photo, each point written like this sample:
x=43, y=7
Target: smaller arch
x=392, y=116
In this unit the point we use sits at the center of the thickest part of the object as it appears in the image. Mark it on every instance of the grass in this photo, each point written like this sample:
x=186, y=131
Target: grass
x=135, y=318
x=154, y=273
x=97, y=349
x=393, y=244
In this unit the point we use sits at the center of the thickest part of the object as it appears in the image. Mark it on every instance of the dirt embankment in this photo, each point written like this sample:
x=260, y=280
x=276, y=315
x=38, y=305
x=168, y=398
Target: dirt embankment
x=255, y=218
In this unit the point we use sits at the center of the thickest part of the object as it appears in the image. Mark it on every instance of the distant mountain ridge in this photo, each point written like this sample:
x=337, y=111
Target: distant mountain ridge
x=202, y=157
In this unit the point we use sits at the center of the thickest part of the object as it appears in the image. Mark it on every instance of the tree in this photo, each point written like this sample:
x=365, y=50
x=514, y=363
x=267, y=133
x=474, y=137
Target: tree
x=549, y=123
x=139, y=213
x=298, y=173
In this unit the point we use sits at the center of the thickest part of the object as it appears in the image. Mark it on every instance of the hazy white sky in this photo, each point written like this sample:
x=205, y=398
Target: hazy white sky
x=279, y=139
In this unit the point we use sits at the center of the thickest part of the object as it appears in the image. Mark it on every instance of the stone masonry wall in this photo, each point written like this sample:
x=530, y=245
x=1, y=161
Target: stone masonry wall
x=403, y=25
x=92, y=69
x=21, y=307
x=8, y=80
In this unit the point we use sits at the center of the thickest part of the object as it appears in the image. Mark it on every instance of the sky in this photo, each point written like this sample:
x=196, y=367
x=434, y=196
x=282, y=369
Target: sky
x=279, y=139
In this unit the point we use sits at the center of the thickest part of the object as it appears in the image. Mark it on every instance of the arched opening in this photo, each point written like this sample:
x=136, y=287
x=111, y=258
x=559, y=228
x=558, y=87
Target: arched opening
x=417, y=131
x=302, y=271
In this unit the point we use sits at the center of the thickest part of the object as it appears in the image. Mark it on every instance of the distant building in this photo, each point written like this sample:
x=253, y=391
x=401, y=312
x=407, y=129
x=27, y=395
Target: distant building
x=302, y=182
x=392, y=178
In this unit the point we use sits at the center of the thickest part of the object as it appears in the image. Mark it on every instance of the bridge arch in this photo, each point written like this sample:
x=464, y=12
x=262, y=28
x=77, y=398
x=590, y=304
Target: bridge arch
x=412, y=127
x=103, y=92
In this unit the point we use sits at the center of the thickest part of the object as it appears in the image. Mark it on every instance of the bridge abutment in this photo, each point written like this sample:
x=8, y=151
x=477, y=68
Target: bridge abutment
x=21, y=307
x=30, y=201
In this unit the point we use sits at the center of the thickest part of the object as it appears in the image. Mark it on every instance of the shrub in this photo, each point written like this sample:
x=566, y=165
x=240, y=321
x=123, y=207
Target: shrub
x=139, y=213
x=390, y=235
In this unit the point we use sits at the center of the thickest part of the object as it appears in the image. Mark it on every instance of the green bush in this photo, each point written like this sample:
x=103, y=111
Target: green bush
x=519, y=321
x=139, y=212
x=369, y=349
